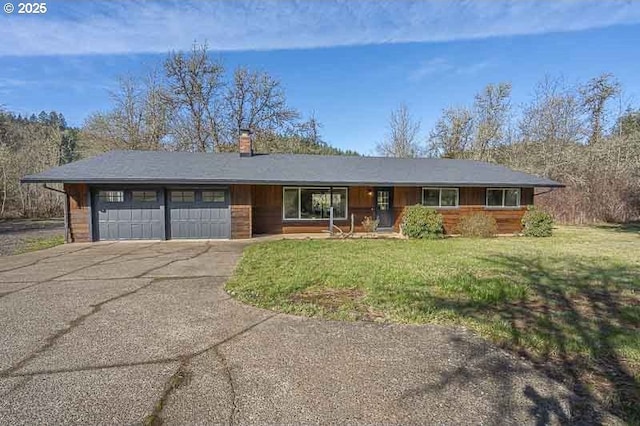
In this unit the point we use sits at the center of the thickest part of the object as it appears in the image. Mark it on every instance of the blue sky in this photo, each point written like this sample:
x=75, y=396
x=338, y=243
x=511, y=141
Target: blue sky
x=349, y=62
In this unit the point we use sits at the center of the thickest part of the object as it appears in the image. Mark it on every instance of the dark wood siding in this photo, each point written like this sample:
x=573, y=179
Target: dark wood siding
x=472, y=200
x=267, y=210
x=526, y=196
x=241, y=215
x=79, y=213
x=257, y=209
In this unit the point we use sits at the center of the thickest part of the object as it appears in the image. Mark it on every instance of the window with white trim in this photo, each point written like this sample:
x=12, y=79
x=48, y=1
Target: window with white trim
x=440, y=197
x=305, y=203
x=111, y=196
x=503, y=197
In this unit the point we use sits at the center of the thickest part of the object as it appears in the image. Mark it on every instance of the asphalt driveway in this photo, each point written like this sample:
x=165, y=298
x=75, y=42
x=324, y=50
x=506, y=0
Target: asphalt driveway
x=123, y=333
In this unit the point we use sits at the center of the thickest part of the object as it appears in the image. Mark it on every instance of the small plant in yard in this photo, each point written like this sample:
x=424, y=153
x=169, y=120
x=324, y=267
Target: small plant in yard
x=422, y=222
x=477, y=225
x=370, y=224
x=537, y=223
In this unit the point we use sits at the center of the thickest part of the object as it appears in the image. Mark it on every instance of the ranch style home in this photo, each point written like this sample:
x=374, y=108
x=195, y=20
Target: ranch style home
x=150, y=195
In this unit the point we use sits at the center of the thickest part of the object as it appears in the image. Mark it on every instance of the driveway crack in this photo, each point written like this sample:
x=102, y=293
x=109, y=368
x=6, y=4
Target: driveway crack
x=76, y=322
x=36, y=283
x=183, y=373
x=49, y=257
x=232, y=387
x=155, y=268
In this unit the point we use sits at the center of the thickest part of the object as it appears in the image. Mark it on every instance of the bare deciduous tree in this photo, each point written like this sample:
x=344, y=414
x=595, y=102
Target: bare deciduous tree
x=595, y=94
x=194, y=84
x=402, y=137
x=255, y=100
x=139, y=119
x=491, y=107
x=452, y=135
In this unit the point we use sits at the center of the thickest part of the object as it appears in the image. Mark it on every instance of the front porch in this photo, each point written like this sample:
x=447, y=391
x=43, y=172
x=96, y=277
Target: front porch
x=384, y=203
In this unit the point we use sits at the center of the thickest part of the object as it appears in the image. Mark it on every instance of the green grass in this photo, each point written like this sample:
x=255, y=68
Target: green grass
x=570, y=303
x=35, y=244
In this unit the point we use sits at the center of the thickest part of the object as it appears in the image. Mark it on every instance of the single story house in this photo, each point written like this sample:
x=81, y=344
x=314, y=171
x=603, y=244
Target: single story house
x=123, y=195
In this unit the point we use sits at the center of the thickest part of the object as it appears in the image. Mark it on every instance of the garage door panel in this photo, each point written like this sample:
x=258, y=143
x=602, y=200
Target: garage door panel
x=199, y=219
x=127, y=218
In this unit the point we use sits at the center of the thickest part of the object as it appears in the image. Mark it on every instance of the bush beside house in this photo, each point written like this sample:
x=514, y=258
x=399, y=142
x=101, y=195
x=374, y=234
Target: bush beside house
x=477, y=225
x=537, y=223
x=422, y=222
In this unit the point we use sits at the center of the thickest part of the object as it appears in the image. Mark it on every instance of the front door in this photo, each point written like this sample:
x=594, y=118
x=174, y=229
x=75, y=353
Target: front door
x=384, y=207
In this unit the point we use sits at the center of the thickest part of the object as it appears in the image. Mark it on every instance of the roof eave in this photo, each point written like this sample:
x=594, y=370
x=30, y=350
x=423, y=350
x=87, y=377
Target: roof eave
x=169, y=181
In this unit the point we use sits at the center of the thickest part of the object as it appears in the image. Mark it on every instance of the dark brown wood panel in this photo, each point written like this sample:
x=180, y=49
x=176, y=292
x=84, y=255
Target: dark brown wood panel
x=472, y=196
x=241, y=216
x=526, y=196
x=472, y=200
x=267, y=212
x=406, y=196
x=508, y=220
x=79, y=212
x=267, y=209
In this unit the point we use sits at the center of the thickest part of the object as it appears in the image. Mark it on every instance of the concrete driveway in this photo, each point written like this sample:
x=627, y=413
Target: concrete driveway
x=123, y=333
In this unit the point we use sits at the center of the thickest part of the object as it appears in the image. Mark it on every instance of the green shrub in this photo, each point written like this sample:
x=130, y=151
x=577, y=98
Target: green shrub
x=369, y=224
x=422, y=222
x=537, y=223
x=477, y=225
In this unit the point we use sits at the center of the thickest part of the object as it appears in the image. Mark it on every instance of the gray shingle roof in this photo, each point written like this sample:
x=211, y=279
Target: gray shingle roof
x=196, y=168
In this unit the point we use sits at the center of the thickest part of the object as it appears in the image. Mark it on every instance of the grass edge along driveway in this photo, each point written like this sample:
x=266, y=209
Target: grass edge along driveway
x=569, y=303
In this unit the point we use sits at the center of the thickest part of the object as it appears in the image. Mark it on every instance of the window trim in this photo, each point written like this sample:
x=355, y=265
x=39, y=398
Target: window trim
x=182, y=201
x=145, y=191
x=486, y=198
x=329, y=188
x=103, y=200
x=224, y=192
x=440, y=188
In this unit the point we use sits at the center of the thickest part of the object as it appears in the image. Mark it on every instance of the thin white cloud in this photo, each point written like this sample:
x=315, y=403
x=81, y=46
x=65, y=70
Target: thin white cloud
x=82, y=27
x=442, y=66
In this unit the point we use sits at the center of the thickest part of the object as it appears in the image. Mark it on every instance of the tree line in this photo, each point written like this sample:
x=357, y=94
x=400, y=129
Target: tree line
x=581, y=135
x=29, y=145
x=577, y=134
x=190, y=104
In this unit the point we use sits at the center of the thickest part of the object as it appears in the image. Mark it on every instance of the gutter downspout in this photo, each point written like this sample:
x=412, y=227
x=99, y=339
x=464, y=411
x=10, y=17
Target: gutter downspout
x=544, y=192
x=66, y=210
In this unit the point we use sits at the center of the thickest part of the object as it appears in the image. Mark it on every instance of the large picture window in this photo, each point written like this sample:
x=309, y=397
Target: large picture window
x=503, y=197
x=314, y=203
x=440, y=197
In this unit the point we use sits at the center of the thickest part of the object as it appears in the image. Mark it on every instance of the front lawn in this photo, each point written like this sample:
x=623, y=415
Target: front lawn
x=39, y=243
x=570, y=303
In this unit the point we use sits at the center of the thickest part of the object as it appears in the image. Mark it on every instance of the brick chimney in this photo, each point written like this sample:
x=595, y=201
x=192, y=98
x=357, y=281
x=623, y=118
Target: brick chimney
x=245, y=143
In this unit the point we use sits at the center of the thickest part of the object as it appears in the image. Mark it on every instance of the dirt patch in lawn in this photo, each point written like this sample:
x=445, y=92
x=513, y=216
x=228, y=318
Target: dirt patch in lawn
x=348, y=301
